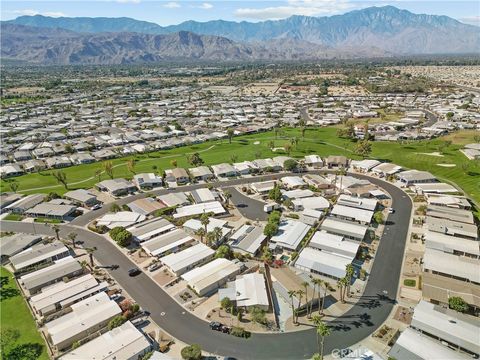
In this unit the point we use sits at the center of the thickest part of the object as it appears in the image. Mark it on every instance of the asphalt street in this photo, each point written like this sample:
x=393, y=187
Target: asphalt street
x=359, y=322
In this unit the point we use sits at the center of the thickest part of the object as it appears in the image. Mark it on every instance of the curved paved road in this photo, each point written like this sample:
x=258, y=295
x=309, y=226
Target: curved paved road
x=359, y=322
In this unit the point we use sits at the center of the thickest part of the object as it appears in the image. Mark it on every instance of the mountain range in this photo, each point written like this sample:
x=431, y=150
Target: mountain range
x=370, y=32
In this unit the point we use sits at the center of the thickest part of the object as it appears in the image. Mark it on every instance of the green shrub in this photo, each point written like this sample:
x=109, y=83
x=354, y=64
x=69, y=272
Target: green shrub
x=410, y=282
x=240, y=332
x=121, y=236
x=192, y=352
x=116, y=322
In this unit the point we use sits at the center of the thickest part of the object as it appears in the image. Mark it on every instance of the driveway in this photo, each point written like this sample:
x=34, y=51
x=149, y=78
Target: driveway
x=372, y=309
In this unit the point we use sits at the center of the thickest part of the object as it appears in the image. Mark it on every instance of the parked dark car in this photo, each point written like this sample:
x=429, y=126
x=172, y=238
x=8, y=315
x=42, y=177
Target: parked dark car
x=215, y=325
x=134, y=272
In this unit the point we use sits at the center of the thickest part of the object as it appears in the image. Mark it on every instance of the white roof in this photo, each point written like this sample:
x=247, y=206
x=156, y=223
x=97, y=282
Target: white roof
x=202, y=195
x=85, y=315
x=148, y=229
x=366, y=164
x=346, y=228
x=64, y=293
x=214, y=272
x=313, y=202
x=293, y=181
x=215, y=268
x=336, y=244
x=387, y=168
x=59, y=269
x=173, y=199
x=290, y=234
x=251, y=290
x=196, y=209
x=121, y=218
x=37, y=253
x=447, y=243
x=460, y=266
x=353, y=213
x=296, y=194
x=323, y=262
x=436, y=188
x=123, y=342
x=414, y=342
x=356, y=202
x=184, y=258
x=248, y=238
x=459, y=329
x=165, y=242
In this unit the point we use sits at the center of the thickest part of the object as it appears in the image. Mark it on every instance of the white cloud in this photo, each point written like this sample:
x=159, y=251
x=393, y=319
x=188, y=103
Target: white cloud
x=128, y=1
x=296, y=7
x=471, y=20
x=171, y=5
x=32, y=12
x=204, y=6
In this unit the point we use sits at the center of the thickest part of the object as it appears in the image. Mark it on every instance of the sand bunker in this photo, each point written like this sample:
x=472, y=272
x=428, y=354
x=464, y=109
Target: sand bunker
x=436, y=153
x=447, y=165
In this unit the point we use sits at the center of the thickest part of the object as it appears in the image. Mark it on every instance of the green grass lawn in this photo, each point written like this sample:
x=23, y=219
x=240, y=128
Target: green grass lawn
x=48, y=221
x=322, y=141
x=13, y=217
x=16, y=315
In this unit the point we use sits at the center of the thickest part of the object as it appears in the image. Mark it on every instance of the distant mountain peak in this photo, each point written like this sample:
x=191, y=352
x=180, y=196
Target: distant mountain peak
x=381, y=30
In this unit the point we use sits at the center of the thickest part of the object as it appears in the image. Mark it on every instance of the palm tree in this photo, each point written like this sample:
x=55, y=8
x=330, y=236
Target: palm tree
x=201, y=232
x=204, y=220
x=349, y=271
x=300, y=294
x=291, y=295
x=72, y=236
x=342, y=172
x=230, y=134
x=217, y=234
x=227, y=194
x=342, y=284
x=326, y=286
x=322, y=331
x=84, y=264
x=56, y=229
x=305, y=286
x=340, y=288
x=317, y=284
x=90, y=252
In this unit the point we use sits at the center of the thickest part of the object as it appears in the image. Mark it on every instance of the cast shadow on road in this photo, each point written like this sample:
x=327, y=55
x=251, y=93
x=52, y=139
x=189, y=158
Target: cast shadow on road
x=358, y=320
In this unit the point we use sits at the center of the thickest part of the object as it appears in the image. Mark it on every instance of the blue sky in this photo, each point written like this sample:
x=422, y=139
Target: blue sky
x=173, y=12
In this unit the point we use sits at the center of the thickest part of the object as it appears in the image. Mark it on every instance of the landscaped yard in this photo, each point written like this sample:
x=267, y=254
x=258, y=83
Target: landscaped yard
x=13, y=217
x=15, y=315
x=322, y=141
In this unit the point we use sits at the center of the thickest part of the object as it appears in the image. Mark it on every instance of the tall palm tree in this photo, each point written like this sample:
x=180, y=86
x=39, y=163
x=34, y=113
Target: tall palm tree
x=204, y=220
x=291, y=295
x=317, y=283
x=227, y=194
x=200, y=232
x=300, y=294
x=90, y=252
x=326, y=286
x=349, y=271
x=72, y=236
x=56, y=229
x=217, y=234
x=322, y=331
x=305, y=286
x=340, y=288
x=341, y=172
